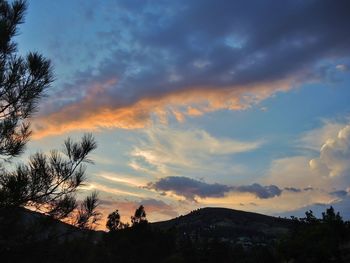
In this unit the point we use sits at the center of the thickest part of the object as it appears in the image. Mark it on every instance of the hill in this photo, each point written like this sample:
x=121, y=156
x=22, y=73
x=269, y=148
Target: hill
x=204, y=235
x=228, y=225
x=221, y=223
x=20, y=224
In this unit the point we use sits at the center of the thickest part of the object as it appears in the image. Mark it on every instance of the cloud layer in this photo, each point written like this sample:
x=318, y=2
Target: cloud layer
x=169, y=57
x=165, y=151
x=191, y=188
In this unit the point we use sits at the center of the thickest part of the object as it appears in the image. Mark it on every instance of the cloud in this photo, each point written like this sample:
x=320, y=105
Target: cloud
x=339, y=193
x=324, y=164
x=112, y=190
x=124, y=179
x=169, y=58
x=334, y=155
x=308, y=180
x=342, y=67
x=166, y=151
x=191, y=188
x=259, y=191
x=326, y=151
x=89, y=114
x=292, y=189
x=294, y=172
x=314, y=139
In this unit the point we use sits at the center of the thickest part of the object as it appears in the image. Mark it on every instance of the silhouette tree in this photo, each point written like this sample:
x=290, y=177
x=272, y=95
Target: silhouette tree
x=310, y=218
x=87, y=215
x=113, y=221
x=23, y=81
x=331, y=217
x=317, y=240
x=47, y=182
x=139, y=217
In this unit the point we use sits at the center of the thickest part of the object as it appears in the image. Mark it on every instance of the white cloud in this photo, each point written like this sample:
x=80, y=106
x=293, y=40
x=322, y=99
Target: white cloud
x=314, y=139
x=324, y=175
x=334, y=159
x=332, y=144
x=293, y=172
x=342, y=67
x=126, y=179
x=167, y=151
x=111, y=190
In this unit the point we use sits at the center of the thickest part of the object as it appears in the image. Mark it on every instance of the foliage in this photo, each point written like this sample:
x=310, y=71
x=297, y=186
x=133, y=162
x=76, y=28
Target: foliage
x=316, y=240
x=330, y=217
x=49, y=181
x=113, y=221
x=87, y=214
x=23, y=81
x=139, y=218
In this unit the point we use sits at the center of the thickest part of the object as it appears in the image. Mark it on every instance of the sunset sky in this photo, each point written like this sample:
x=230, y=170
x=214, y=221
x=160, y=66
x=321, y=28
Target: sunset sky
x=238, y=104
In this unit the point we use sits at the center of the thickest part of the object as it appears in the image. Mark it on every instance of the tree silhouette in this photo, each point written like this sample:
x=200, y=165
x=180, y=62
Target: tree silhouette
x=113, y=221
x=49, y=181
x=316, y=240
x=23, y=81
x=310, y=218
x=331, y=217
x=87, y=214
x=139, y=217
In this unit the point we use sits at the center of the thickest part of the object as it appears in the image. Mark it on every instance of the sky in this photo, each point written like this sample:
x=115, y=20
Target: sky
x=238, y=104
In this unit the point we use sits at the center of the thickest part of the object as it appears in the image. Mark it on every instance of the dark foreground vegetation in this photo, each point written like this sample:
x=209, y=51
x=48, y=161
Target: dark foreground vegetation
x=31, y=237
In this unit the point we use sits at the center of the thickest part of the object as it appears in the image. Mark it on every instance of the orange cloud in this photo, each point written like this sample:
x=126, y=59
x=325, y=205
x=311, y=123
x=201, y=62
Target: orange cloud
x=193, y=111
x=97, y=111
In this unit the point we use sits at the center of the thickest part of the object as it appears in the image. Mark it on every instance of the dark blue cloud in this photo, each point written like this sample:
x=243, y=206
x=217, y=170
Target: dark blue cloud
x=157, y=48
x=292, y=189
x=191, y=188
x=259, y=191
x=167, y=57
x=238, y=43
x=340, y=193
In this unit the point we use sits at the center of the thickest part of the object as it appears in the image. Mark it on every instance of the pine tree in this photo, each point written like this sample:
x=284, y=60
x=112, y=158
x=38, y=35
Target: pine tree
x=23, y=81
x=48, y=182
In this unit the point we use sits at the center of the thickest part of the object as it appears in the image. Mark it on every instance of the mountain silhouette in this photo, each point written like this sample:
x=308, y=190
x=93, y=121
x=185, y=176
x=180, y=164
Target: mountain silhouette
x=228, y=224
